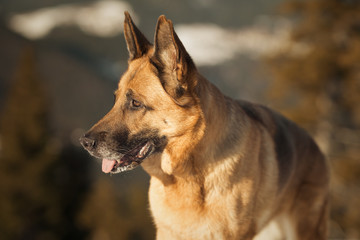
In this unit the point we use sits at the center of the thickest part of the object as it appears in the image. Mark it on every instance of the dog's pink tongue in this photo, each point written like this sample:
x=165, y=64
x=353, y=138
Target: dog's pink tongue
x=107, y=165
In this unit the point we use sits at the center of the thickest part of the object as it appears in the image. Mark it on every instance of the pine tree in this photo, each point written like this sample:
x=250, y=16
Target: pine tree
x=100, y=213
x=25, y=204
x=106, y=214
x=318, y=86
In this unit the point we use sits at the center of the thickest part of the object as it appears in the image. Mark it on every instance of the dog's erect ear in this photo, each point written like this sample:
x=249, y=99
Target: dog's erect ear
x=174, y=61
x=137, y=43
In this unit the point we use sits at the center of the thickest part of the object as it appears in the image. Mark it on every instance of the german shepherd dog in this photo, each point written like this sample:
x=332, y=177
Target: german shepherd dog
x=220, y=168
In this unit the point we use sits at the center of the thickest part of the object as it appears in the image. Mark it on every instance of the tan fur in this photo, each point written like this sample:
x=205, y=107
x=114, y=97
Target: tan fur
x=230, y=169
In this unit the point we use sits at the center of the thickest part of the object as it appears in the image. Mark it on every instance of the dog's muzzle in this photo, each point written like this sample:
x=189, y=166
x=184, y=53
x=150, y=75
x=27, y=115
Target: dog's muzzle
x=123, y=161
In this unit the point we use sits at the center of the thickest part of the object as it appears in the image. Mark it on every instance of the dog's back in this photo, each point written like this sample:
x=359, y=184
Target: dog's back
x=303, y=177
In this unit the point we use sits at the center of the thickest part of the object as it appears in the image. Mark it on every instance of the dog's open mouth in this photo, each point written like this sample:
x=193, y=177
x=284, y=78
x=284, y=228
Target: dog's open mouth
x=129, y=160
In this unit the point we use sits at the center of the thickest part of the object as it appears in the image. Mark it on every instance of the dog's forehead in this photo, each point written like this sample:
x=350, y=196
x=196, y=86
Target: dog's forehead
x=141, y=76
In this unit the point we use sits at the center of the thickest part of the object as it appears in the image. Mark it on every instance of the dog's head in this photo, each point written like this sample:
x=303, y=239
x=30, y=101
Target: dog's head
x=156, y=117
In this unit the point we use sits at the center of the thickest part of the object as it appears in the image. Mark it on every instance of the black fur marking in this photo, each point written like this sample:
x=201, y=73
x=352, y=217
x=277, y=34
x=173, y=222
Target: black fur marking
x=145, y=135
x=251, y=111
x=157, y=67
x=120, y=140
x=284, y=150
x=123, y=142
x=179, y=91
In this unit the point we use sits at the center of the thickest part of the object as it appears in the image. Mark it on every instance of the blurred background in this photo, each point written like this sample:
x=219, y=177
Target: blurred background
x=60, y=61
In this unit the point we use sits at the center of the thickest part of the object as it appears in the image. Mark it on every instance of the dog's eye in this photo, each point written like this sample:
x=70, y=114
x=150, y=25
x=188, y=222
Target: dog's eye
x=135, y=103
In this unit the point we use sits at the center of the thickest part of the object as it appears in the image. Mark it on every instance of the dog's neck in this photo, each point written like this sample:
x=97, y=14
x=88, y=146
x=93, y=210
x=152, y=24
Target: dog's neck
x=188, y=182
x=215, y=110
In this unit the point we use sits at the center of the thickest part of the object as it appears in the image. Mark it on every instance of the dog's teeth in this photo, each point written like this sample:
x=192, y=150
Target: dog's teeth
x=143, y=150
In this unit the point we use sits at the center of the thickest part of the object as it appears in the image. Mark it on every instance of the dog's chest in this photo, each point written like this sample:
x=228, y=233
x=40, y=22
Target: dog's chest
x=184, y=215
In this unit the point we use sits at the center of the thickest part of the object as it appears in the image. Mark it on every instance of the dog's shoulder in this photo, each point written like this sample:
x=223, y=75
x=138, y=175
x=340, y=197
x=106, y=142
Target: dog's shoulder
x=289, y=139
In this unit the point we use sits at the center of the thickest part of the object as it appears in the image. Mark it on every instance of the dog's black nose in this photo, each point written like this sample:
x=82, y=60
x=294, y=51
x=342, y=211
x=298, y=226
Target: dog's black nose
x=87, y=142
